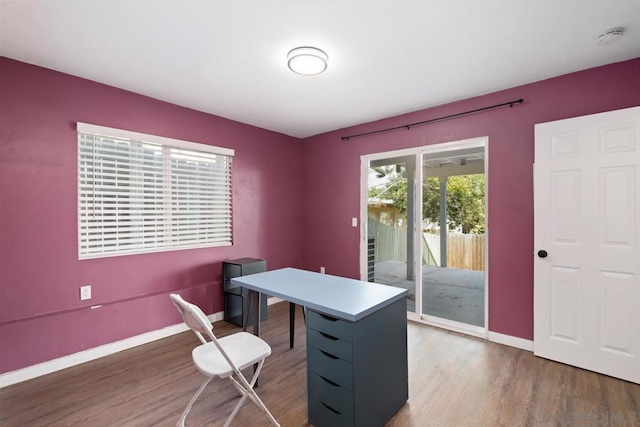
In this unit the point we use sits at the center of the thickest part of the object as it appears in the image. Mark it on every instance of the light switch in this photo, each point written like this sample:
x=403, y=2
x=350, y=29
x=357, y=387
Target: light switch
x=354, y=222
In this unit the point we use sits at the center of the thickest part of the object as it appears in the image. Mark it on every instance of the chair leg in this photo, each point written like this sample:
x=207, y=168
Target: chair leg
x=246, y=389
x=191, y=402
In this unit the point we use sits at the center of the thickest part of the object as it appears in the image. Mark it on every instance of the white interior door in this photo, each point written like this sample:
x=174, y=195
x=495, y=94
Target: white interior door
x=587, y=219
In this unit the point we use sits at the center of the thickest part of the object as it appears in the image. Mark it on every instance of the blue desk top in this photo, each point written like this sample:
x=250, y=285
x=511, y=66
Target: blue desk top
x=340, y=297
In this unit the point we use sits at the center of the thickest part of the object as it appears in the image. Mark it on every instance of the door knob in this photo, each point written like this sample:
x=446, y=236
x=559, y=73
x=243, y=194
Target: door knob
x=542, y=254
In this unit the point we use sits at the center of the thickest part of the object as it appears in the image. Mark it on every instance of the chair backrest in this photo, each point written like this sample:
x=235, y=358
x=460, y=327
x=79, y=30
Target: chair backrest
x=199, y=323
x=194, y=317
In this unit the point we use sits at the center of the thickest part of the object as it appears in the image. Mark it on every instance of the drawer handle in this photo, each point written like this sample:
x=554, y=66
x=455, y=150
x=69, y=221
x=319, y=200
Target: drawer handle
x=329, y=318
x=329, y=381
x=330, y=408
x=329, y=355
x=329, y=337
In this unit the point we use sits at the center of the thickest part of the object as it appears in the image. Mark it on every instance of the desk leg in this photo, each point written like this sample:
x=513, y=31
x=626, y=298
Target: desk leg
x=246, y=309
x=292, y=323
x=254, y=297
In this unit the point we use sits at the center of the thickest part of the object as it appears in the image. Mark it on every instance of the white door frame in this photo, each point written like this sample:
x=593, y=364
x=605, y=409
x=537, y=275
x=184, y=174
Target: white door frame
x=418, y=152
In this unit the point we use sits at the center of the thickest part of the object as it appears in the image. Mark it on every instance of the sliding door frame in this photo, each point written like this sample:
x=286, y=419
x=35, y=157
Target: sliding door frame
x=418, y=152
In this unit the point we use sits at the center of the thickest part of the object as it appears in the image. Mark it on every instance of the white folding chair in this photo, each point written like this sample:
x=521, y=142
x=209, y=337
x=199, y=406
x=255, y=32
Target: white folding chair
x=224, y=357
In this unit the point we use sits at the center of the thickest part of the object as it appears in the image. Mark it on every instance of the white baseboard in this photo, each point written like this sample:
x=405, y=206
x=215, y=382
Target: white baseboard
x=64, y=362
x=512, y=341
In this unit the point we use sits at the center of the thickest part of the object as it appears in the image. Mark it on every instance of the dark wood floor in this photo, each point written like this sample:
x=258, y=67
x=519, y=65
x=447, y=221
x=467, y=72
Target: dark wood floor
x=454, y=380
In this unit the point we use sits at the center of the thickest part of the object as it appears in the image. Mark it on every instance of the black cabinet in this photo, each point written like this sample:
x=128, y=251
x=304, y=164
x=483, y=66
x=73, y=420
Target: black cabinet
x=235, y=297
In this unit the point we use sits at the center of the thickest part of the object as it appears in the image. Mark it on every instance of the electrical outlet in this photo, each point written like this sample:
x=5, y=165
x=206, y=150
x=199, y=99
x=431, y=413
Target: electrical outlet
x=354, y=222
x=322, y=270
x=85, y=292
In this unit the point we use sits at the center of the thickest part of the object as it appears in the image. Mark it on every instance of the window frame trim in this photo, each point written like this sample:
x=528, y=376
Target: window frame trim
x=164, y=142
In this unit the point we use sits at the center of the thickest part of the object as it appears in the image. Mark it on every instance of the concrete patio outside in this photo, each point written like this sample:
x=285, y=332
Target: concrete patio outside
x=448, y=293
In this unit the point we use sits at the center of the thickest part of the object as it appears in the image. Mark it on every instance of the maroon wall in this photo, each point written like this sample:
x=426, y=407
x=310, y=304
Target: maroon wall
x=332, y=177
x=293, y=202
x=41, y=316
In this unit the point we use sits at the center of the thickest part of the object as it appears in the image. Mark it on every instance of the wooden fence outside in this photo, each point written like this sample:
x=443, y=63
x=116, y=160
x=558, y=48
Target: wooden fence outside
x=464, y=251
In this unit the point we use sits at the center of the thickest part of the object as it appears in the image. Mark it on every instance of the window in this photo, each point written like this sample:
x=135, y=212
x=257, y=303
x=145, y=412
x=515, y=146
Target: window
x=139, y=193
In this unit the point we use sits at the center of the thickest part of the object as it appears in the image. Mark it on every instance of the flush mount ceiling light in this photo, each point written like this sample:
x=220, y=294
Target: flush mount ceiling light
x=307, y=61
x=610, y=36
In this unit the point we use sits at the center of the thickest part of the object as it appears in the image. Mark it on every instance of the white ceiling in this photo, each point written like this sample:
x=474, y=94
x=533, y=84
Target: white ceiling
x=228, y=57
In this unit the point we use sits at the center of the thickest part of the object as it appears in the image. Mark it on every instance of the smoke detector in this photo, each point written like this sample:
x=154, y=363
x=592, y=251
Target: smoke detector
x=610, y=36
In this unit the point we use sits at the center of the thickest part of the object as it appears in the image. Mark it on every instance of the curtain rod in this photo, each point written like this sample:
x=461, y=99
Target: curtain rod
x=451, y=116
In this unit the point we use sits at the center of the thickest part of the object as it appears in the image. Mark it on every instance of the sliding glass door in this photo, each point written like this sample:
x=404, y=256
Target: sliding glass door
x=390, y=219
x=453, y=231
x=429, y=238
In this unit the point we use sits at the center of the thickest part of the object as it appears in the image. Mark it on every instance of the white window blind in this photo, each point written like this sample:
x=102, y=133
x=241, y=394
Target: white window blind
x=140, y=193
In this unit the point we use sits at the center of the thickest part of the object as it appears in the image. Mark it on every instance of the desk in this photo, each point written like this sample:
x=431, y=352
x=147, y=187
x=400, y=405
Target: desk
x=357, y=371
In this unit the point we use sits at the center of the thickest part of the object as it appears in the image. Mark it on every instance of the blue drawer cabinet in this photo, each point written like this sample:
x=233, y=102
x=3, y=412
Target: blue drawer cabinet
x=330, y=367
x=331, y=394
x=327, y=415
x=331, y=345
x=336, y=328
x=357, y=371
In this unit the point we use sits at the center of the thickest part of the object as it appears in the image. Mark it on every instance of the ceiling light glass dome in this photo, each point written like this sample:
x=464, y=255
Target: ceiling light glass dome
x=307, y=61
